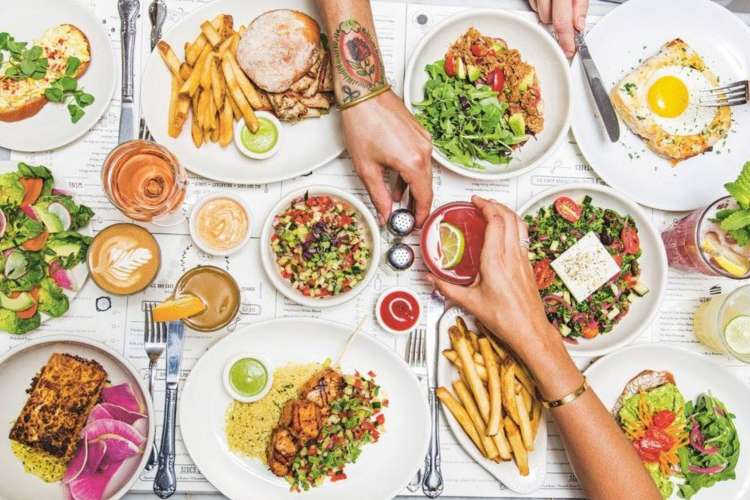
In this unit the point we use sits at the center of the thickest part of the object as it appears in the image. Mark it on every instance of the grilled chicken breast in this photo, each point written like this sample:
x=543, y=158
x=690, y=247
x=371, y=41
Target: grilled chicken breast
x=21, y=99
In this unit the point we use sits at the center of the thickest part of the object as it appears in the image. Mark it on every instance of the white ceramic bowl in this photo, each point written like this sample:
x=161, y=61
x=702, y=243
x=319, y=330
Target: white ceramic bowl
x=252, y=154
x=194, y=230
x=230, y=388
x=653, y=263
x=537, y=48
x=269, y=260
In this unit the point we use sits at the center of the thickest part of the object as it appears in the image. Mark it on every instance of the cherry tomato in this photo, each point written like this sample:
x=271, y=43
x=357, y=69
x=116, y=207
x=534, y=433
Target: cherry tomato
x=590, y=330
x=663, y=419
x=629, y=280
x=543, y=274
x=568, y=209
x=648, y=450
x=496, y=79
x=618, y=258
x=630, y=239
x=450, y=65
x=477, y=50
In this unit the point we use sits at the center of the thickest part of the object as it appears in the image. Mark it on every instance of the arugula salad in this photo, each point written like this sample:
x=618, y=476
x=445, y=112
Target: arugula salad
x=556, y=228
x=481, y=102
x=40, y=247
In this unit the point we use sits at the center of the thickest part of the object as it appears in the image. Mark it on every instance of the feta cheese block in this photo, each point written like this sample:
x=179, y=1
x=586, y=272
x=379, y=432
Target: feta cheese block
x=585, y=266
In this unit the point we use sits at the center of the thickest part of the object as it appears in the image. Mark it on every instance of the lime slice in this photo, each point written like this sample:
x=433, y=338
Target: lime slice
x=737, y=334
x=452, y=243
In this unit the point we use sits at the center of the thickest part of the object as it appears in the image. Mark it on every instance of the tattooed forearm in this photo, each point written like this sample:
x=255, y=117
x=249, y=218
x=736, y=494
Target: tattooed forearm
x=357, y=61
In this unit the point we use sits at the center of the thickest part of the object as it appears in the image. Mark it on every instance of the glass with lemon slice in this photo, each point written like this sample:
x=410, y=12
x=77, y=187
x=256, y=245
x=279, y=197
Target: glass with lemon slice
x=723, y=323
x=696, y=243
x=452, y=240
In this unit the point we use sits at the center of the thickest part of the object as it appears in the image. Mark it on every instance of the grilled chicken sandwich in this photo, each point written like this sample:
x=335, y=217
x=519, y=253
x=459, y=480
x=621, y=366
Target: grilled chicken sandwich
x=282, y=53
x=21, y=99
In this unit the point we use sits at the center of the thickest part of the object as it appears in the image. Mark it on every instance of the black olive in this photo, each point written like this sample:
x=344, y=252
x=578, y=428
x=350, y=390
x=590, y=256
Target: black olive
x=465, y=104
x=605, y=238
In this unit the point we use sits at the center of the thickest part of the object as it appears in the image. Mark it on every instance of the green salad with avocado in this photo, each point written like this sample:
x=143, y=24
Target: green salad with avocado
x=40, y=247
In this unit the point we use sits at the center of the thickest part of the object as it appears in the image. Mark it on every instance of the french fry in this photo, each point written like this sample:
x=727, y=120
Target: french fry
x=525, y=397
x=524, y=423
x=242, y=80
x=205, y=79
x=459, y=387
x=181, y=114
x=211, y=122
x=478, y=359
x=242, y=30
x=215, y=135
x=508, y=388
x=195, y=49
x=185, y=71
x=226, y=123
x=191, y=84
x=211, y=33
x=235, y=110
x=493, y=386
x=173, y=99
x=265, y=103
x=235, y=43
x=225, y=46
x=459, y=413
x=520, y=455
x=239, y=98
x=202, y=109
x=226, y=28
x=472, y=377
x=453, y=358
x=523, y=376
x=536, y=416
x=196, y=131
x=461, y=325
x=217, y=86
x=169, y=57
x=474, y=339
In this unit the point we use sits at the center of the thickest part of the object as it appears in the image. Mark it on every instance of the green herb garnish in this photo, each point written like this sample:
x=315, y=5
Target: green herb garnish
x=65, y=90
x=23, y=62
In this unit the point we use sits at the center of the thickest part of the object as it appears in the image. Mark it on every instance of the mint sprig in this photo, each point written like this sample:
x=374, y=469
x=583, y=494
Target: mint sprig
x=65, y=90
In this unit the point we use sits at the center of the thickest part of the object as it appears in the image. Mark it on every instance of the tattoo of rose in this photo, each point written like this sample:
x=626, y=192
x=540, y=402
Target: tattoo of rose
x=358, y=49
x=356, y=57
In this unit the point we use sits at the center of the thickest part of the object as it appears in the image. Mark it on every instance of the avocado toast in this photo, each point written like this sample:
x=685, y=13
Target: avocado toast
x=40, y=246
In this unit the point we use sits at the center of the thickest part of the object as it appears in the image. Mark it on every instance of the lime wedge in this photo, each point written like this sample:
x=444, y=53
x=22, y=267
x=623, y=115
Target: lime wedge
x=737, y=334
x=452, y=243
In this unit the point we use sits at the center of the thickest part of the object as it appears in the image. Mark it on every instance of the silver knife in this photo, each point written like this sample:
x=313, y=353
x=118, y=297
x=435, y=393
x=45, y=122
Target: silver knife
x=128, y=10
x=165, y=482
x=601, y=98
x=432, y=479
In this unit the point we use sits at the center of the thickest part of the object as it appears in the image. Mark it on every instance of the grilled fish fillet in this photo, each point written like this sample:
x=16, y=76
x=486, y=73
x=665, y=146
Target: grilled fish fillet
x=60, y=398
x=21, y=99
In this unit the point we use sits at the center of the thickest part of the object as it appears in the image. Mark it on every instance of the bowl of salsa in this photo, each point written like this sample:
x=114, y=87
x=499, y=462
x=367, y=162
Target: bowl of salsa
x=452, y=240
x=398, y=310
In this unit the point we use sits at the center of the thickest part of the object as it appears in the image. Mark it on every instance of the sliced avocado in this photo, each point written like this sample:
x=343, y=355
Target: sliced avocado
x=640, y=289
x=517, y=123
x=460, y=69
x=51, y=222
x=564, y=330
x=20, y=303
x=16, y=265
x=474, y=72
x=526, y=82
x=66, y=249
x=498, y=47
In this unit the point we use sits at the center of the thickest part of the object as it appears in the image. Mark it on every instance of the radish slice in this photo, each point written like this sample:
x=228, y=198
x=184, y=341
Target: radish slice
x=77, y=463
x=109, y=426
x=92, y=486
x=3, y=223
x=119, y=413
x=98, y=412
x=122, y=395
x=118, y=449
x=29, y=211
x=59, y=210
x=60, y=276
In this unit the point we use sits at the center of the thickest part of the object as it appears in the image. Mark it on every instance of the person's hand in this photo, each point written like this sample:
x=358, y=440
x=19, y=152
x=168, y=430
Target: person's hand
x=381, y=133
x=505, y=296
x=566, y=16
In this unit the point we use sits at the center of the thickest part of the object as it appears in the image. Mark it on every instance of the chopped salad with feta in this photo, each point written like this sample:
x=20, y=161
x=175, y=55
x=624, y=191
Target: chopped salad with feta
x=556, y=228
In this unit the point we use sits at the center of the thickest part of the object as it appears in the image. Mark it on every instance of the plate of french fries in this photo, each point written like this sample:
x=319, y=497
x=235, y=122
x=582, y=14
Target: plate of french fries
x=491, y=403
x=194, y=92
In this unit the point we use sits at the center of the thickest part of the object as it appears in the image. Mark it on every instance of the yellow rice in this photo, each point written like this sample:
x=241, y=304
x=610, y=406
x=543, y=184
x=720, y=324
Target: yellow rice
x=249, y=425
x=39, y=463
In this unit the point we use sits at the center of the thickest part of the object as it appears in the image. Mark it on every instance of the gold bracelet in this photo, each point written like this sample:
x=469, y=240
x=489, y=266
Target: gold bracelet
x=361, y=99
x=568, y=398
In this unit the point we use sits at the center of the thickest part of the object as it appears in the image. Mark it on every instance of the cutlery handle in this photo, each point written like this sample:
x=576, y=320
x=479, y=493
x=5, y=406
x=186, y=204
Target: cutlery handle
x=151, y=381
x=165, y=482
x=415, y=482
x=157, y=13
x=128, y=15
x=432, y=479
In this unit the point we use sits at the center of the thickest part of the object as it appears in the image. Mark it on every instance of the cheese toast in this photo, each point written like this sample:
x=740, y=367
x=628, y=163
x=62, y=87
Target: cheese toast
x=21, y=99
x=60, y=399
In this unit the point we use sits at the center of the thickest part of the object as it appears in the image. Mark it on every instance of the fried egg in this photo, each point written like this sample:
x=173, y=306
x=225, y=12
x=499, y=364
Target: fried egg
x=659, y=100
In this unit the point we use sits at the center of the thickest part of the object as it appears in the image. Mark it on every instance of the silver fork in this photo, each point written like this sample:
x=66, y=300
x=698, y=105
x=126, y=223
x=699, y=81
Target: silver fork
x=734, y=94
x=154, y=342
x=157, y=14
x=415, y=355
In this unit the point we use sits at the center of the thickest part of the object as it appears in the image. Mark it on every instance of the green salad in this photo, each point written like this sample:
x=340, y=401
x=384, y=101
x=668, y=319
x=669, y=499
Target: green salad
x=554, y=229
x=39, y=247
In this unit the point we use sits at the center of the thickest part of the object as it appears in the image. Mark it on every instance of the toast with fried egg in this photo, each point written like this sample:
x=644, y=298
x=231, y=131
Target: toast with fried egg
x=21, y=99
x=658, y=101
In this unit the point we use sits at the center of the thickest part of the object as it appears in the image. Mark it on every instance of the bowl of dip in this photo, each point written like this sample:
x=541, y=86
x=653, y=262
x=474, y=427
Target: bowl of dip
x=217, y=289
x=247, y=378
x=123, y=259
x=220, y=224
x=262, y=144
x=398, y=310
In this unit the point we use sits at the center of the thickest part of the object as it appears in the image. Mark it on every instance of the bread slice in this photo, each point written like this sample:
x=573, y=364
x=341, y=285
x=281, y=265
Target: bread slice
x=21, y=99
x=643, y=382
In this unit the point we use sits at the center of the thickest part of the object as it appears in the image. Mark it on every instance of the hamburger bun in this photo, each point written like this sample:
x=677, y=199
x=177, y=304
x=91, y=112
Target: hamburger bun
x=278, y=48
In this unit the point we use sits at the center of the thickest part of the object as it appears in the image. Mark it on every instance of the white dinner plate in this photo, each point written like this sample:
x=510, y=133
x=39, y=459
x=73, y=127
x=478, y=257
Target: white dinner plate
x=505, y=472
x=269, y=259
x=18, y=367
x=653, y=263
x=79, y=272
x=382, y=469
x=51, y=128
x=306, y=145
x=722, y=39
x=693, y=374
x=537, y=48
